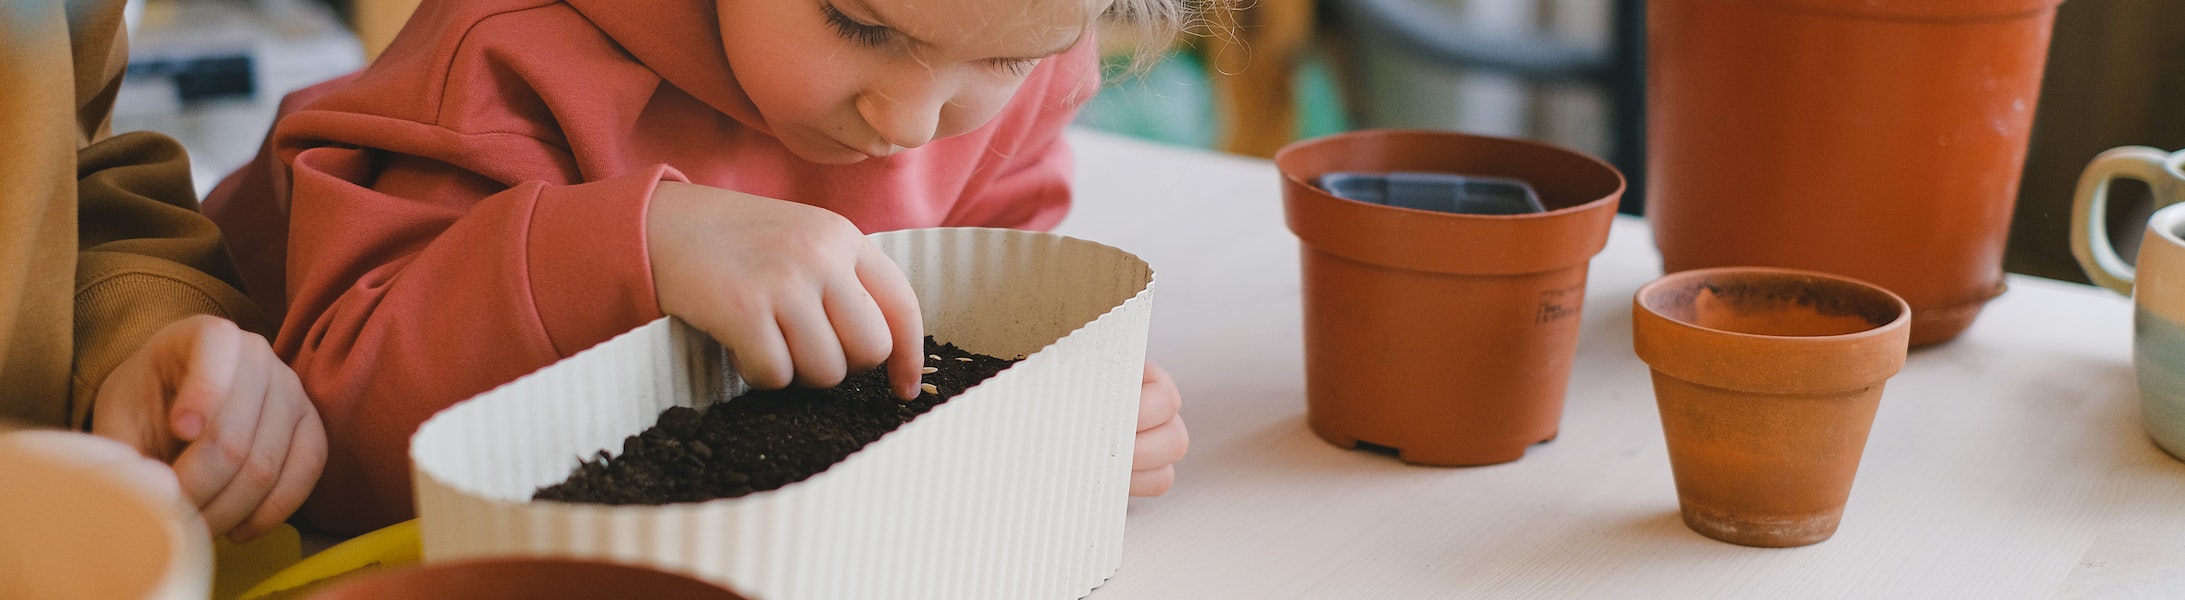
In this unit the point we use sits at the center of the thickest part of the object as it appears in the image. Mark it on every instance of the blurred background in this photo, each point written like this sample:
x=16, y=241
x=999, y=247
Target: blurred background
x=1267, y=72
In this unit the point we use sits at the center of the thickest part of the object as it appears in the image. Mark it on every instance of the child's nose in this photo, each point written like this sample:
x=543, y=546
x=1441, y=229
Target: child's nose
x=906, y=116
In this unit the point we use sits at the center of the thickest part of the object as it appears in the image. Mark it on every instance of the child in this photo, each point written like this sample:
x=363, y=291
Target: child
x=516, y=180
x=115, y=294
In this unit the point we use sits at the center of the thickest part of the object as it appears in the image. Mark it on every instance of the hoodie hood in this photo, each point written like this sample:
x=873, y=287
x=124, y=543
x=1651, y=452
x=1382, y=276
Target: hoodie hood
x=681, y=41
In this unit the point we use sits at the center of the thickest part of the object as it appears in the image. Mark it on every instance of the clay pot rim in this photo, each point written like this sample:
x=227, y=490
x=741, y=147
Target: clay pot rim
x=1583, y=189
x=1792, y=365
x=440, y=576
x=1639, y=299
x=1612, y=196
x=1925, y=11
x=101, y=471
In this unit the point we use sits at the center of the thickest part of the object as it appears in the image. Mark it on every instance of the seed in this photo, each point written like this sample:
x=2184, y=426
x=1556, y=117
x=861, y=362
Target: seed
x=934, y=356
x=929, y=388
x=963, y=359
x=929, y=370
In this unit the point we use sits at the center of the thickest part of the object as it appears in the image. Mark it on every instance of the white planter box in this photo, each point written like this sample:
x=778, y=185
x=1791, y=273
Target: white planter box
x=1013, y=490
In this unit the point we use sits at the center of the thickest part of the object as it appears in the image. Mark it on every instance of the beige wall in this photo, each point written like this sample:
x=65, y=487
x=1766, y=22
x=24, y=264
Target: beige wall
x=378, y=20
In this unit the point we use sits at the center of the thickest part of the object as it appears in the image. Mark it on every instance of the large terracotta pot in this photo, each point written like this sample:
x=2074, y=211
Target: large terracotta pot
x=1877, y=139
x=1767, y=380
x=525, y=578
x=1446, y=337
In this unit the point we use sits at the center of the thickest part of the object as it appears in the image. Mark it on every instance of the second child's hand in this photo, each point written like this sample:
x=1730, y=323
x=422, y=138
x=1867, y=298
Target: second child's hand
x=796, y=293
x=246, y=443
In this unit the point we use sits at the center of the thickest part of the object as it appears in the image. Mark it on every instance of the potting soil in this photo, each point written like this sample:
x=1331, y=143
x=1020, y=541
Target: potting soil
x=763, y=440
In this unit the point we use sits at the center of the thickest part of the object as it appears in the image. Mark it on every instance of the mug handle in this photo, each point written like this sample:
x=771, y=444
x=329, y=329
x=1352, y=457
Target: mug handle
x=2090, y=211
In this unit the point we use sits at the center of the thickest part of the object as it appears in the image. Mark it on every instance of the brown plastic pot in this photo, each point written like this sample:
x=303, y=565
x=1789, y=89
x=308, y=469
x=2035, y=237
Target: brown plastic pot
x=1446, y=337
x=1877, y=139
x=1767, y=380
x=527, y=578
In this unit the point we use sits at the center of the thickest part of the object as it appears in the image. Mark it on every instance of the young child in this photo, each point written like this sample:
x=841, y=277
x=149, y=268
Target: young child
x=516, y=180
x=116, y=297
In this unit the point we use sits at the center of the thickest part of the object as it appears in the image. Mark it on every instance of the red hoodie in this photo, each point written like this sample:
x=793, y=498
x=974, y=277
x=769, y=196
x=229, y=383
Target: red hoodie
x=471, y=207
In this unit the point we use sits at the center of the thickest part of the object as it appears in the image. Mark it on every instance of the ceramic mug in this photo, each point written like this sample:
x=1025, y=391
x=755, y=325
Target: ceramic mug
x=2156, y=285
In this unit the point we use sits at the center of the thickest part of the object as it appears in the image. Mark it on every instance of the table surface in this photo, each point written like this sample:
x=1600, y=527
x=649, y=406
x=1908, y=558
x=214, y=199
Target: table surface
x=2008, y=463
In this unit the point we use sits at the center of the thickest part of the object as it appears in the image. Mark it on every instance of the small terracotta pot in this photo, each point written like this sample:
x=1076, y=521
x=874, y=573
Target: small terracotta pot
x=527, y=578
x=1767, y=380
x=1447, y=337
x=85, y=517
x=1877, y=139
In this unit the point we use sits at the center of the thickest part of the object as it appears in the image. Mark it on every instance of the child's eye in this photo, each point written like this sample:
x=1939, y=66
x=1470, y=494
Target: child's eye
x=1016, y=67
x=863, y=34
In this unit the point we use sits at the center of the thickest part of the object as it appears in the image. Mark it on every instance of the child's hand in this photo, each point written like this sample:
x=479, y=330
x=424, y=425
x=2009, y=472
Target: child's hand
x=214, y=401
x=795, y=292
x=1162, y=439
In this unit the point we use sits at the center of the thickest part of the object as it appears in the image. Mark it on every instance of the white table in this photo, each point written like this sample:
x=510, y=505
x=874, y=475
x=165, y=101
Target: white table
x=2006, y=464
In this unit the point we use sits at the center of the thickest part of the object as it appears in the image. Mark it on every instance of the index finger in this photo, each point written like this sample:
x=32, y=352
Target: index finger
x=899, y=307
x=230, y=403
x=1158, y=398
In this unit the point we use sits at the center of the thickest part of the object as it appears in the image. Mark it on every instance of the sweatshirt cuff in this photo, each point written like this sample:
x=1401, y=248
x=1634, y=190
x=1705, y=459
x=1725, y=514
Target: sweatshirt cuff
x=122, y=299
x=591, y=276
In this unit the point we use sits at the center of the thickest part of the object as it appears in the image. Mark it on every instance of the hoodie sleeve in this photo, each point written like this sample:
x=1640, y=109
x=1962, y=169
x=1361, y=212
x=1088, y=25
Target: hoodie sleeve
x=146, y=258
x=143, y=254
x=432, y=236
x=1025, y=183
x=414, y=283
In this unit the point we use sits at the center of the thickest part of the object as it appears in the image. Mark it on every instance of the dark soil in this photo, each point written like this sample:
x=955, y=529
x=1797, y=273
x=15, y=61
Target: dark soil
x=763, y=440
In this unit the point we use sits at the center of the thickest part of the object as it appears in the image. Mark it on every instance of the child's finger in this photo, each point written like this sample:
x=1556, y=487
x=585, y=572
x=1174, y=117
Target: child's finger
x=196, y=358
x=269, y=440
x=899, y=307
x=132, y=408
x=859, y=325
x=1160, y=446
x=306, y=457
x=210, y=462
x=758, y=351
x=1152, y=482
x=814, y=352
x=1158, y=399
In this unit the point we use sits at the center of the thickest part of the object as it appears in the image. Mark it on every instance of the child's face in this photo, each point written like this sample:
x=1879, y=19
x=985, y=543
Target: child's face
x=839, y=81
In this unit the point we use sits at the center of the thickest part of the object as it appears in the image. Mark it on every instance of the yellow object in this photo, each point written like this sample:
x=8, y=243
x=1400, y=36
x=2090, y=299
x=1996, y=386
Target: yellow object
x=393, y=546
x=236, y=567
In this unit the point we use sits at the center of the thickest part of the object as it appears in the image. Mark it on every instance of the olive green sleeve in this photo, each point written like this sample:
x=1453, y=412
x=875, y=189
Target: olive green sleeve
x=146, y=257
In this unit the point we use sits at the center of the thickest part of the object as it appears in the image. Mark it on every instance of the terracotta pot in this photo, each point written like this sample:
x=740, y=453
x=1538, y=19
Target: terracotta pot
x=87, y=517
x=1446, y=337
x=1877, y=139
x=527, y=578
x=1767, y=380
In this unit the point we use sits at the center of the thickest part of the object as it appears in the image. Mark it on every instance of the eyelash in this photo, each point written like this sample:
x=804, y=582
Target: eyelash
x=1016, y=67
x=874, y=36
x=870, y=36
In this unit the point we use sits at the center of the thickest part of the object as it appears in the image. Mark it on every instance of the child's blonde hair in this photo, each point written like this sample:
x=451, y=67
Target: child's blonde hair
x=1149, y=27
